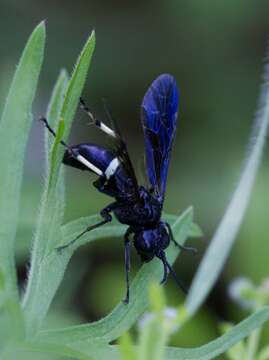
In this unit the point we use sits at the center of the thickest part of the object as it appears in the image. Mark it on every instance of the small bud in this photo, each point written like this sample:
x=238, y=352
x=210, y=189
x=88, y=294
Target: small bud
x=170, y=315
x=265, y=285
x=243, y=292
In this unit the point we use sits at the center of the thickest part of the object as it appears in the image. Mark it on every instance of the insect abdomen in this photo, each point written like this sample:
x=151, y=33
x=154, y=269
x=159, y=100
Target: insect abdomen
x=92, y=157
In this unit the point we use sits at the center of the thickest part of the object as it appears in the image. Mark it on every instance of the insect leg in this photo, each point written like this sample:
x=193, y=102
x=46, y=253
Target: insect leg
x=162, y=257
x=95, y=121
x=121, y=145
x=165, y=272
x=71, y=152
x=182, y=247
x=101, y=185
x=105, y=213
x=44, y=120
x=127, y=248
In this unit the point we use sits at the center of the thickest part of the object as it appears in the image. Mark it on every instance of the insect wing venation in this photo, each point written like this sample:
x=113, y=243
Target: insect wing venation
x=159, y=114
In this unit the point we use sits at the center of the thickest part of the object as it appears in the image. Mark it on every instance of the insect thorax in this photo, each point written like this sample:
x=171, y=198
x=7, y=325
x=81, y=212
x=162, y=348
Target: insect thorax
x=145, y=212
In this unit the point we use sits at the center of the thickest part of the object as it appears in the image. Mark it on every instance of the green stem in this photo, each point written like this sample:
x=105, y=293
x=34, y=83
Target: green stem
x=253, y=344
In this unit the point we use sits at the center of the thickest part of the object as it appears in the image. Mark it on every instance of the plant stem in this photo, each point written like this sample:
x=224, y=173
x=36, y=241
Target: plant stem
x=253, y=344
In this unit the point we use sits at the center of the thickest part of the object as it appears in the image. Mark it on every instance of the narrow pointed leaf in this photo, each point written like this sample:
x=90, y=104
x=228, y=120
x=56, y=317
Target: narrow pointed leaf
x=224, y=237
x=54, y=111
x=204, y=352
x=50, y=216
x=82, y=351
x=73, y=93
x=15, y=125
x=49, y=226
x=223, y=343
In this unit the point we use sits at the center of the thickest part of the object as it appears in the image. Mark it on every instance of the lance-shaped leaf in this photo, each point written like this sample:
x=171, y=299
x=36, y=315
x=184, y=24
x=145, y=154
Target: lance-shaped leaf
x=15, y=125
x=224, y=237
x=38, y=297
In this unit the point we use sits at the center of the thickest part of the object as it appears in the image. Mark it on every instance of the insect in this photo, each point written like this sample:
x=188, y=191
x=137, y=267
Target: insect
x=137, y=206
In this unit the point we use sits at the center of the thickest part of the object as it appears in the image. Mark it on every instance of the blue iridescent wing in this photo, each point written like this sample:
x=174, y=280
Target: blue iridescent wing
x=159, y=116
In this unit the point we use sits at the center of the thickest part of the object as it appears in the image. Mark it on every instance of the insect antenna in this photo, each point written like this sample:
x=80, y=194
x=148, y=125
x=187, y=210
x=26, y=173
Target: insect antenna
x=107, y=110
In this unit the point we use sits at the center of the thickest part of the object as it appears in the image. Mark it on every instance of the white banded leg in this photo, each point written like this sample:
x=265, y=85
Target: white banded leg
x=89, y=165
x=112, y=167
x=75, y=155
x=103, y=127
x=110, y=170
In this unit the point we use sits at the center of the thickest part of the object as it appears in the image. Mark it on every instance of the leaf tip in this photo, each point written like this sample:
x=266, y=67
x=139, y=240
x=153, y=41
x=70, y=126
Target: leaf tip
x=189, y=212
x=39, y=35
x=41, y=26
x=190, y=209
x=63, y=73
x=92, y=39
x=93, y=34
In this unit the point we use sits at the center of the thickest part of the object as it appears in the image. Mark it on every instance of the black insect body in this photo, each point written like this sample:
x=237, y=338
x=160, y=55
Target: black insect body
x=136, y=206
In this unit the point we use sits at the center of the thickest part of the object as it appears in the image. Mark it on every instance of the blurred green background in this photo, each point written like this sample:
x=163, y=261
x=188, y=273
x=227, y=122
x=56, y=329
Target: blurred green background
x=216, y=51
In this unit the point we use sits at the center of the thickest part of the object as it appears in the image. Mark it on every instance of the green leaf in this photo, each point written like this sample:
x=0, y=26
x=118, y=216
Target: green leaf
x=51, y=269
x=126, y=348
x=50, y=217
x=12, y=325
x=2, y=282
x=81, y=351
x=54, y=111
x=224, y=237
x=51, y=145
x=205, y=352
x=55, y=147
x=152, y=340
x=264, y=353
x=154, y=334
x=156, y=298
x=15, y=325
x=73, y=93
x=196, y=231
x=223, y=343
x=123, y=316
x=236, y=352
x=253, y=344
x=75, y=227
x=14, y=131
x=43, y=348
x=41, y=286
